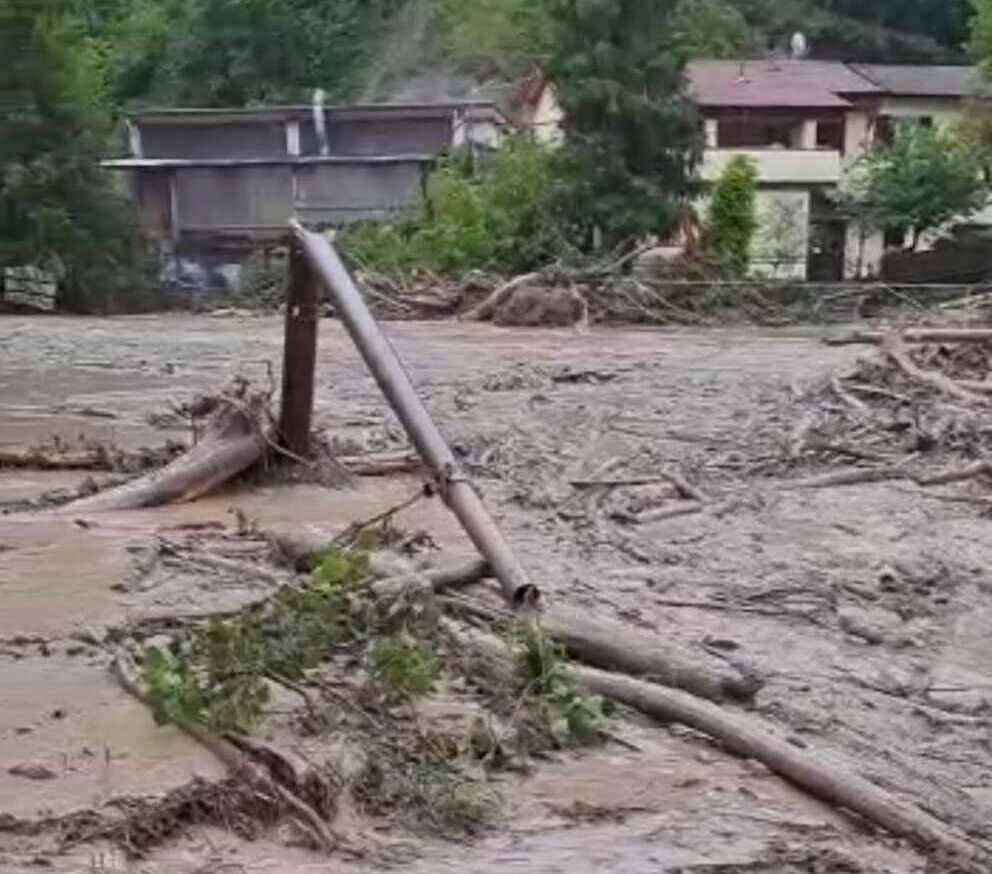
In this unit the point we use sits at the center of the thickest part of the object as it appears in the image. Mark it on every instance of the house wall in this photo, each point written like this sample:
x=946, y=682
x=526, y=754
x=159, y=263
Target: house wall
x=237, y=140
x=857, y=135
x=338, y=193
x=381, y=136
x=249, y=198
x=944, y=111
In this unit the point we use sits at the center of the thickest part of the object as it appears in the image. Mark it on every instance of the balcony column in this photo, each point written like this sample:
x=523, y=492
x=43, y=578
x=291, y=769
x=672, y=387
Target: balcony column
x=711, y=132
x=807, y=139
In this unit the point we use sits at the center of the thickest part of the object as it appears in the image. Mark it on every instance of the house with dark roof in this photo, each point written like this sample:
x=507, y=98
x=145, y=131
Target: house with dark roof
x=803, y=123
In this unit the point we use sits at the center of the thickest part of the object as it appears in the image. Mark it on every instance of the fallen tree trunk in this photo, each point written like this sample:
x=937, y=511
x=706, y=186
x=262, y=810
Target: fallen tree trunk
x=914, y=335
x=748, y=737
x=609, y=645
x=501, y=295
x=234, y=442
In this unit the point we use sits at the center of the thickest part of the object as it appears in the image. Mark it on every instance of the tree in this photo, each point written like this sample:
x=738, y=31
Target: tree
x=631, y=137
x=732, y=219
x=501, y=35
x=710, y=29
x=980, y=41
x=925, y=179
x=57, y=210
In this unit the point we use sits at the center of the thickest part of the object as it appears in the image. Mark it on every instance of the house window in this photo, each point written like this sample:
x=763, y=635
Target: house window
x=830, y=134
x=925, y=121
x=885, y=130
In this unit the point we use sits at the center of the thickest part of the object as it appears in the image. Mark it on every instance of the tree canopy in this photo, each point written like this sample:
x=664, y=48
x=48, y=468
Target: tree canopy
x=925, y=179
x=56, y=207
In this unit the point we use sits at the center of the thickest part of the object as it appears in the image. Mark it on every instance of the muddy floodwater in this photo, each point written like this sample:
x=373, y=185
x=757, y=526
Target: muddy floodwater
x=865, y=608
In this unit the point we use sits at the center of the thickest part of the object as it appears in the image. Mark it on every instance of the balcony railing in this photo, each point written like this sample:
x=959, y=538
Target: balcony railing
x=779, y=166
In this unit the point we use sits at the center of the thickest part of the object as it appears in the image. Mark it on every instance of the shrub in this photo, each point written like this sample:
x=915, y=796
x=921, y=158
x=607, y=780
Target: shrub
x=499, y=218
x=732, y=219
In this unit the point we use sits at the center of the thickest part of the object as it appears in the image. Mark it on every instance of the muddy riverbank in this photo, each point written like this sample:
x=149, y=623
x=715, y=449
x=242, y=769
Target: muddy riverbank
x=892, y=678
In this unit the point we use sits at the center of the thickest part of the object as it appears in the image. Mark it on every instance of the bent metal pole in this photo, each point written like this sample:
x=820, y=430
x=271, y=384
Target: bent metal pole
x=382, y=360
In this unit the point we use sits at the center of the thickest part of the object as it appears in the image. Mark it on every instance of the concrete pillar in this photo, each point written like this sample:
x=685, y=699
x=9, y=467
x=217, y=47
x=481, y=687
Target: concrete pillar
x=711, y=133
x=807, y=138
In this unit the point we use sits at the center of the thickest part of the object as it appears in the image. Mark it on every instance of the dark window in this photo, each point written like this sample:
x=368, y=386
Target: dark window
x=885, y=130
x=895, y=238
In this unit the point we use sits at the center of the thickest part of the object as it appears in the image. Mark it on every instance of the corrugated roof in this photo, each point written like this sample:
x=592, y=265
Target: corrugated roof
x=908, y=80
x=773, y=83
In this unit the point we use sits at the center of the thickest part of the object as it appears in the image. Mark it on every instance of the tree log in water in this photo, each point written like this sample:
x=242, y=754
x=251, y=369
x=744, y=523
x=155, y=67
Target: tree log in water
x=748, y=737
x=233, y=442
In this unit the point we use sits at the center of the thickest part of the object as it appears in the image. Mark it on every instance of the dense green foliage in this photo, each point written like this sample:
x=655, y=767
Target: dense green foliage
x=731, y=220
x=631, y=138
x=923, y=180
x=57, y=210
x=502, y=217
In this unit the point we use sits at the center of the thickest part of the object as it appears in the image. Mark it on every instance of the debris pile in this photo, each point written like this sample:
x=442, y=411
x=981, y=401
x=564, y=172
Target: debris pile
x=918, y=412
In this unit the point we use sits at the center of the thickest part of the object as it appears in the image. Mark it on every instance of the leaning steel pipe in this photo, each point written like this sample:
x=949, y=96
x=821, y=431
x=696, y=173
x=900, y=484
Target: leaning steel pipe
x=385, y=365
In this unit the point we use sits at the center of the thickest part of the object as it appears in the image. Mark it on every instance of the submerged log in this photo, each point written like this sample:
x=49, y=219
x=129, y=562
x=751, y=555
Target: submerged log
x=609, y=645
x=747, y=736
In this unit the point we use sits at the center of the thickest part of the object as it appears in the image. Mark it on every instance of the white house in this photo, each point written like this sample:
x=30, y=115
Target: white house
x=803, y=123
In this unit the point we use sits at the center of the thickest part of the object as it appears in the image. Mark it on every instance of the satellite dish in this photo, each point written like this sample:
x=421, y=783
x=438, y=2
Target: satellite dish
x=799, y=45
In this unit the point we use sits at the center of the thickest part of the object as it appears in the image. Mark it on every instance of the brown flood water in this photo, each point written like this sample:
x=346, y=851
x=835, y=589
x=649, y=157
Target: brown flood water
x=712, y=404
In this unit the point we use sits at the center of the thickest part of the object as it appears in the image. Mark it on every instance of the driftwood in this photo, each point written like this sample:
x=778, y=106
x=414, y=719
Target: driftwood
x=749, y=737
x=913, y=335
x=895, y=349
x=381, y=464
x=233, y=443
x=437, y=579
x=54, y=458
x=980, y=468
x=488, y=307
x=607, y=644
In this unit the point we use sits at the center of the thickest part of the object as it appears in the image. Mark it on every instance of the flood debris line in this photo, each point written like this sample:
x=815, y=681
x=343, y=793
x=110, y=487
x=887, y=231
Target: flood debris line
x=919, y=413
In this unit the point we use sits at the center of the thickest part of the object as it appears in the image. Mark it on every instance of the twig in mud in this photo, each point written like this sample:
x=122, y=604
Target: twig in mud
x=667, y=513
x=845, y=449
x=850, y=400
x=716, y=606
x=849, y=478
x=286, y=683
x=873, y=390
x=348, y=536
x=684, y=488
x=617, y=483
x=960, y=499
x=956, y=476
